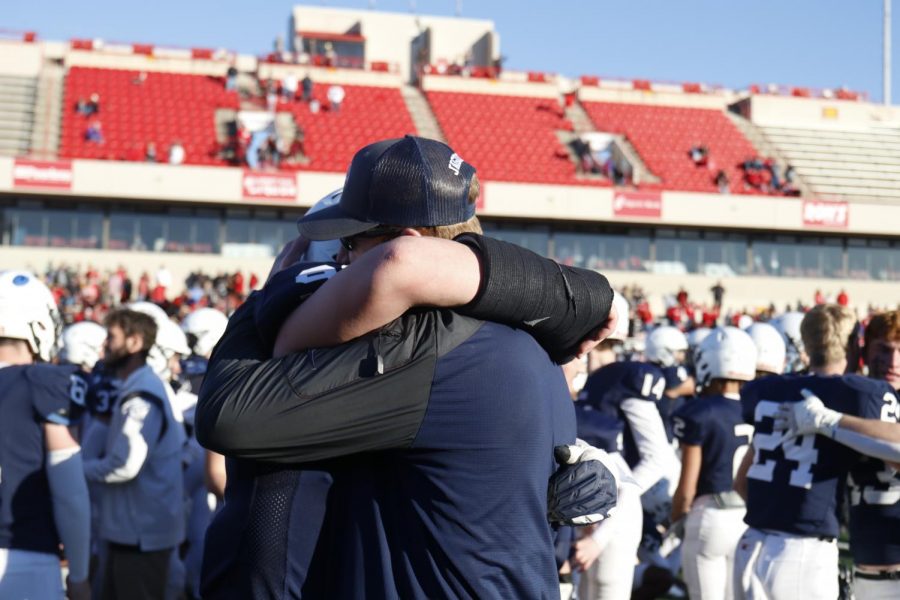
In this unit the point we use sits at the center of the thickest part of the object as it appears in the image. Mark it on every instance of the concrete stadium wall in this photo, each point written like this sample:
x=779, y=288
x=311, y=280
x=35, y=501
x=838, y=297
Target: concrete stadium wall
x=20, y=59
x=787, y=111
x=756, y=293
x=331, y=75
x=140, y=62
x=501, y=87
x=389, y=35
x=224, y=186
x=622, y=92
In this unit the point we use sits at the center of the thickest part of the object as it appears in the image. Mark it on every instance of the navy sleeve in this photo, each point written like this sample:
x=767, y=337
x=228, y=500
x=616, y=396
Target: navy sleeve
x=876, y=401
x=675, y=376
x=688, y=425
x=365, y=395
x=749, y=398
x=58, y=393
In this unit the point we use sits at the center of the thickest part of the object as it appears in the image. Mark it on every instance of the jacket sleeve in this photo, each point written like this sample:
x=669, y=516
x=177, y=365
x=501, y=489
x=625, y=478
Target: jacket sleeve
x=366, y=395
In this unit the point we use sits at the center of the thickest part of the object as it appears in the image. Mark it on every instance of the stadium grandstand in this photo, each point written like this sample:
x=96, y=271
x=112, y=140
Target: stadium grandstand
x=197, y=158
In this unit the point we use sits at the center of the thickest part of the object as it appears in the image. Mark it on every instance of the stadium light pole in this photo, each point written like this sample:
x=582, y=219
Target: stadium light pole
x=887, y=53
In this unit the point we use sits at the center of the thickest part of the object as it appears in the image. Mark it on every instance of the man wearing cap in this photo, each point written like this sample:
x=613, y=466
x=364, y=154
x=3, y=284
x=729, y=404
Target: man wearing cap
x=438, y=429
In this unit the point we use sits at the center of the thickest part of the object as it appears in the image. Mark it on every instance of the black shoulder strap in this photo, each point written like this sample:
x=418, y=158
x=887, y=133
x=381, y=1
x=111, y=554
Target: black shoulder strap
x=154, y=400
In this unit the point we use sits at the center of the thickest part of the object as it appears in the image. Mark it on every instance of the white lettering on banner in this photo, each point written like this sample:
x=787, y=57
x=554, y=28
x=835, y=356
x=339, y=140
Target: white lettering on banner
x=49, y=174
x=637, y=204
x=832, y=214
x=270, y=186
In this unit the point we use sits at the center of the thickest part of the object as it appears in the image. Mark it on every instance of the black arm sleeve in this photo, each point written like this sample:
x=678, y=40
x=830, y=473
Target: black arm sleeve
x=366, y=395
x=558, y=305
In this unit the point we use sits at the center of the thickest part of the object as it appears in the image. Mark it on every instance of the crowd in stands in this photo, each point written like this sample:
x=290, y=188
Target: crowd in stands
x=760, y=175
x=88, y=293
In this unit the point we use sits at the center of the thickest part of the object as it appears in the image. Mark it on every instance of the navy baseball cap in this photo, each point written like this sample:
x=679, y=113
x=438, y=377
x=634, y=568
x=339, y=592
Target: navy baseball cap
x=404, y=182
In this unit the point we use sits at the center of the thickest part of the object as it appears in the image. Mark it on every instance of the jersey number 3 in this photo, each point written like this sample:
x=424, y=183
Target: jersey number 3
x=798, y=450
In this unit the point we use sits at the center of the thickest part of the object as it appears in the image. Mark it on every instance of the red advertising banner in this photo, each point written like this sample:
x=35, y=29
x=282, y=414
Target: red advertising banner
x=819, y=213
x=637, y=204
x=55, y=174
x=270, y=186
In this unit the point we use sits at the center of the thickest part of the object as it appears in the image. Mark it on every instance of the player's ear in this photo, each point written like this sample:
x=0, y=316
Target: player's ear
x=411, y=231
x=134, y=343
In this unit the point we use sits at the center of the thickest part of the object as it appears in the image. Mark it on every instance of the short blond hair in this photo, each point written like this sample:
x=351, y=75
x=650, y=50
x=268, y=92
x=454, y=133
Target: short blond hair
x=448, y=232
x=826, y=331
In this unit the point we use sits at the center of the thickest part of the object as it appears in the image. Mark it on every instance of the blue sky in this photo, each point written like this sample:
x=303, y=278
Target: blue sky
x=815, y=43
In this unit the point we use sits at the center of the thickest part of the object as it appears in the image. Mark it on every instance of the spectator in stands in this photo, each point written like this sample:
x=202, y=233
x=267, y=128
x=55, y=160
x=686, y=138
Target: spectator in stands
x=330, y=55
x=718, y=292
x=586, y=162
x=774, y=179
x=306, y=86
x=699, y=154
x=297, y=149
x=336, y=97
x=789, y=186
x=271, y=95
x=231, y=79
x=314, y=106
x=150, y=152
x=176, y=153
x=842, y=298
x=92, y=106
x=94, y=132
x=722, y=182
x=289, y=87
x=819, y=298
x=140, y=78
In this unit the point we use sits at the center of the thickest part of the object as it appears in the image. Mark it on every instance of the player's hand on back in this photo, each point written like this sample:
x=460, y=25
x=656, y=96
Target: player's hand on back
x=810, y=416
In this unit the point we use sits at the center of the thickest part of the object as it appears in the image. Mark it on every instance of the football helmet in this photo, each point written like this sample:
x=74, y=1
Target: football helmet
x=726, y=353
x=82, y=344
x=770, y=349
x=788, y=325
x=622, y=308
x=323, y=251
x=206, y=326
x=662, y=344
x=28, y=312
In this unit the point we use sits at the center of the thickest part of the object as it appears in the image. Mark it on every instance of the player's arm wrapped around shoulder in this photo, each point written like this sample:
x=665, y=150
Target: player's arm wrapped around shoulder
x=556, y=304
x=313, y=405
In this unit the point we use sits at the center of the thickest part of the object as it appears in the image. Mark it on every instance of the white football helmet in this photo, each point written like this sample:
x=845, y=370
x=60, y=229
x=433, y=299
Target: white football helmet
x=726, y=353
x=788, y=325
x=324, y=251
x=82, y=344
x=770, y=349
x=206, y=325
x=622, y=308
x=28, y=312
x=148, y=308
x=662, y=344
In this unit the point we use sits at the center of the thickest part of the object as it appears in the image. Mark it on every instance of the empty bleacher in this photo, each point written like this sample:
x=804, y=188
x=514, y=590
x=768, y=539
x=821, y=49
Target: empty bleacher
x=164, y=108
x=508, y=138
x=863, y=163
x=663, y=136
x=366, y=115
x=16, y=114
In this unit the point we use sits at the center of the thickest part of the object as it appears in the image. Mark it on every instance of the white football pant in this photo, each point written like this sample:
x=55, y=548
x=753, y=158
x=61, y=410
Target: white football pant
x=612, y=574
x=872, y=589
x=25, y=574
x=782, y=566
x=711, y=537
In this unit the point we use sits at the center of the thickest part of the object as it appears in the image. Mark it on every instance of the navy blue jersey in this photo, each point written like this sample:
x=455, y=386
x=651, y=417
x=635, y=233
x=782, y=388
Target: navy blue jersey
x=875, y=506
x=598, y=429
x=193, y=369
x=462, y=513
x=716, y=425
x=675, y=376
x=793, y=483
x=609, y=386
x=32, y=395
x=103, y=390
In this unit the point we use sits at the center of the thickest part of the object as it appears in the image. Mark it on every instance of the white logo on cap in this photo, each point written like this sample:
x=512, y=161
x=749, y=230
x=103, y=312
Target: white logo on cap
x=456, y=162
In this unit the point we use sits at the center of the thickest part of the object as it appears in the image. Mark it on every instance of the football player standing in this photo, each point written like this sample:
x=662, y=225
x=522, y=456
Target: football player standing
x=43, y=493
x=714, y=439
x=790, y=482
